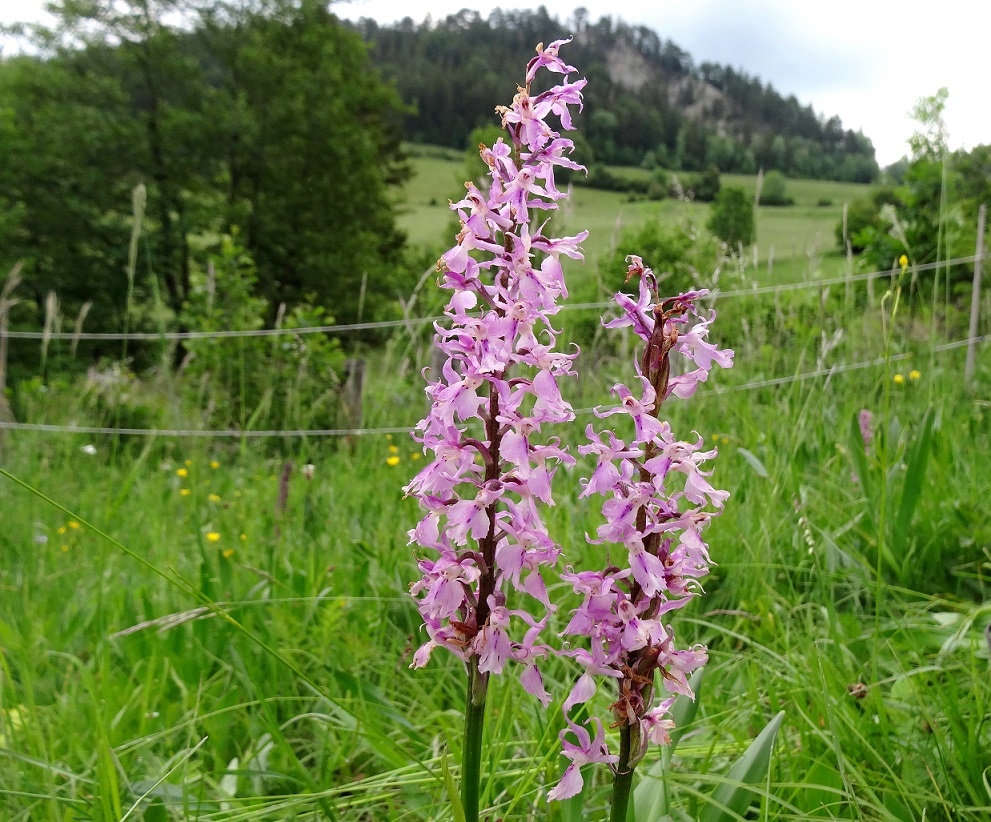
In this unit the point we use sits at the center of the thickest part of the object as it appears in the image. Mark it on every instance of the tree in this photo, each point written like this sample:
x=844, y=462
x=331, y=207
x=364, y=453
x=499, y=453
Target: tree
x=264, y=115
x=312, y=142
x=863, y=220
x=66, y=166
x=130, y=43
x=929, y=141
x=773, y=192
x=732, y=218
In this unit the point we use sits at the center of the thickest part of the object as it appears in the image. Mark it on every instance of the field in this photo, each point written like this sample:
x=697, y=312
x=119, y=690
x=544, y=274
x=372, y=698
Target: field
x=192, y=628
x=802, y=236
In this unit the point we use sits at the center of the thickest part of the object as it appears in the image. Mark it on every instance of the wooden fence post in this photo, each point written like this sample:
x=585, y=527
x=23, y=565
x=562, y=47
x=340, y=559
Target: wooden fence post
x=352, y=394
x=6, y=303
x=975, y=298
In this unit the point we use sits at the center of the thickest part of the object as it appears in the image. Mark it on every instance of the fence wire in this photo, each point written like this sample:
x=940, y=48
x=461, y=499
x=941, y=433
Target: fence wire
x=412, y=322
x=364, y=432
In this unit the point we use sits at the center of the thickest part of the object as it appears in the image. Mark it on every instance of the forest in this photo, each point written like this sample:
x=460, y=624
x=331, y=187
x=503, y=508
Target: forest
x=647, y=103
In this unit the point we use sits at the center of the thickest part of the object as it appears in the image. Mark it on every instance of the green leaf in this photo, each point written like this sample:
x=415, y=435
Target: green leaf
x=755, y=463
x=155, y=812
x=650, y=797
x=732, y=798
x=452, y=790
x=916, y=462
x=858, y=456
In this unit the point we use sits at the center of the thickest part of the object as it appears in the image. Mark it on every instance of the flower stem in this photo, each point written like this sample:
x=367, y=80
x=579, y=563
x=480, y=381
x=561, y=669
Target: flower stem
x=471, y=761
x=623, y=781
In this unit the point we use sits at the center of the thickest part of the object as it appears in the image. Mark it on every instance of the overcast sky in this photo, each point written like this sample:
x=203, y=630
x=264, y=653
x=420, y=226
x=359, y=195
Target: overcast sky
x=865, y=60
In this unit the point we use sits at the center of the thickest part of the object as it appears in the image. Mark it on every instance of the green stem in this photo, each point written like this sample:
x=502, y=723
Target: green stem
x=623, y=781
x=471, y=762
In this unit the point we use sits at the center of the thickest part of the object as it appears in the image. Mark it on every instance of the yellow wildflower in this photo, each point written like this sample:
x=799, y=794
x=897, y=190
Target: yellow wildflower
x=65, y=548
x=227, y=553
x=903, y=261
x=62, y=529
x=188, y=463
x=182, y=472
x=393, y=460
x=214, y=464
x=244, y=537
x=388, y=436
x=393, y=449
x=914, y=375
x=899, y=379
x=414, y=456
x=213, y=536
x=184, y=492
x=73, y=524
x=214, y=497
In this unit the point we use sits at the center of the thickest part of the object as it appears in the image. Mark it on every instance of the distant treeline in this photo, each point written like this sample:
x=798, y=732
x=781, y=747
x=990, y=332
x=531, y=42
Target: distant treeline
x=646, y=103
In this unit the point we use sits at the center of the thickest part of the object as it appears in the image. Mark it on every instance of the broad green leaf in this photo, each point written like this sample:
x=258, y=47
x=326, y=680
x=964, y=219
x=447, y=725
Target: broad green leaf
x=732, y=798
x=165, y=793
x=650, y=797
x=370, y=694
x=822, y=786
x=155, y=812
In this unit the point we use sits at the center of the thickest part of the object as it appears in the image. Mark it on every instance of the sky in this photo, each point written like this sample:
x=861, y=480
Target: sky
x=867, y=61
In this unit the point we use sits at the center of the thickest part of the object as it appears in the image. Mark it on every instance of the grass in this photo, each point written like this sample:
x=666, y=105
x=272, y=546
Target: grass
x=246, y=658
x=120, y=692
x=801, y=236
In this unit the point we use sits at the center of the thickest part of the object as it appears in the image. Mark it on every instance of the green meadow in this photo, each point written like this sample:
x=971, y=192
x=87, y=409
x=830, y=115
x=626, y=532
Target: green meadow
x=794, y=243
x=195, y=629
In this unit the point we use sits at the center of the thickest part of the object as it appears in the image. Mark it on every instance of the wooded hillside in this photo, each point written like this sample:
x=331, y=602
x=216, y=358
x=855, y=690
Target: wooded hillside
x=647, y=102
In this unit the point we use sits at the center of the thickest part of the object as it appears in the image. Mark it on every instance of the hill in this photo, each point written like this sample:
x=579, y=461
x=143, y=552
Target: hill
x=647, y=102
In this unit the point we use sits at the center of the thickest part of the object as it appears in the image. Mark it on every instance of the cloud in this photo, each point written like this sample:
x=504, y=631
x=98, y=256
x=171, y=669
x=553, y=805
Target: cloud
x=790, y=46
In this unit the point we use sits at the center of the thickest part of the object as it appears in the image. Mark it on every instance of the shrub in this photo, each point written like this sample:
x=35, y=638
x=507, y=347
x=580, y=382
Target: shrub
x=705, y=185
x=285, y=381
x=863, y=219
x=677, y=253
x=732, y=219
x=773, y=192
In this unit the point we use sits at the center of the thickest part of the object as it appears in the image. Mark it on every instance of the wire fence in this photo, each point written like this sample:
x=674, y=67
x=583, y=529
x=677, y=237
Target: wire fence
x=841, y=368
x=412, y=322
